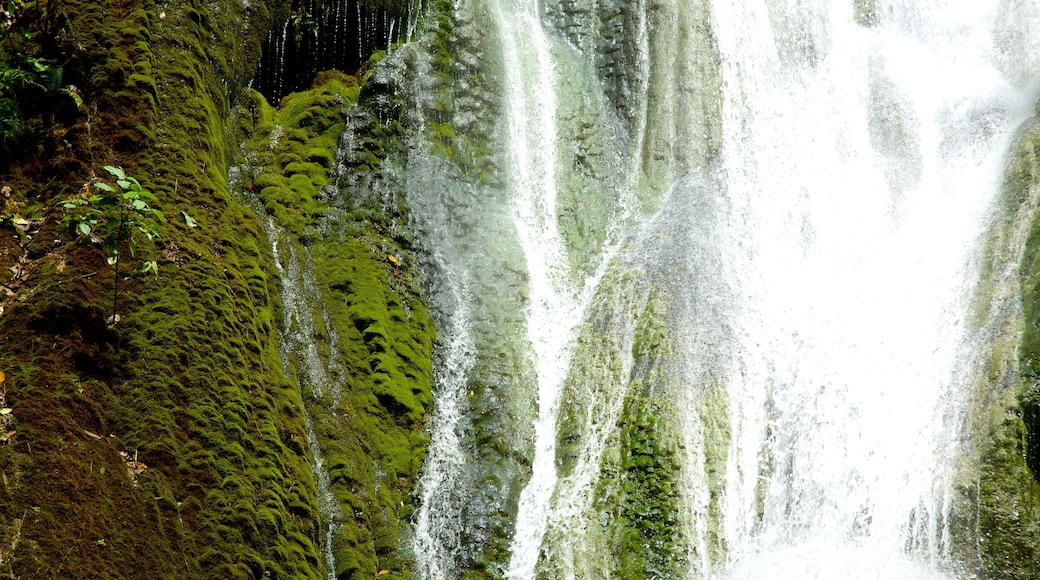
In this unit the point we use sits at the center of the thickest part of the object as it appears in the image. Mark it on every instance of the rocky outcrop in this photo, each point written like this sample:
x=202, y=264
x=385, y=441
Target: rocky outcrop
x=994, y=522
x=156, y=425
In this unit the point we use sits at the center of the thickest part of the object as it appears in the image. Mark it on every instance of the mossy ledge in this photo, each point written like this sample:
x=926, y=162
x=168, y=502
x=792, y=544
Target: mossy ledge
x=1009, y=482
x=366, y=385
x=173, y=443
x=995, y=517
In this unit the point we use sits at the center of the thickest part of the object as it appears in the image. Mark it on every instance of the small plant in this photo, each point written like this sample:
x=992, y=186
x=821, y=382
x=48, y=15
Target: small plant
x=114, y=215
x=32, y=45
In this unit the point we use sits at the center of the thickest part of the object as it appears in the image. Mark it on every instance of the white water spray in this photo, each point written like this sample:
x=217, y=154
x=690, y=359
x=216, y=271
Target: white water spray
x=447, y=458
x=861, y=163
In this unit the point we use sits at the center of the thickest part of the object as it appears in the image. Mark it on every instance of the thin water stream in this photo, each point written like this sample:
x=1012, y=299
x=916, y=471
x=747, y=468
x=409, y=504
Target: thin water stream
x=552, y=312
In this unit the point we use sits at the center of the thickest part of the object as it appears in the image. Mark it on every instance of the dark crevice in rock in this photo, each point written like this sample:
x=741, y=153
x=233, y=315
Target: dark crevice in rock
x=324, y=35
x=1031, y=417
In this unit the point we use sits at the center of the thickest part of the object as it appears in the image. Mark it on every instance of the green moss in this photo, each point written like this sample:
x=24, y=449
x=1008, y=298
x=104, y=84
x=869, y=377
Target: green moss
x=1009, y=500
x=995, y=520
x=713, y=410
x=190, y=381
x=1009, y=492
x=647, y=526
x=290, y=150
x=1024, y=175
x=363, y=315
x=618, y=417
x=650, y=338
x=461, y=93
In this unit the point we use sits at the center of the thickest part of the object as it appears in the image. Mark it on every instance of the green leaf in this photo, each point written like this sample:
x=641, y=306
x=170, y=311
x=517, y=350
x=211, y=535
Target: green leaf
x=104, y=186
x=139, y=205
x=5, y=411
x=116, y=171
x=150, y=266
x=83, y=228
x=189, y=221
x=123, y=183
x=74, y=95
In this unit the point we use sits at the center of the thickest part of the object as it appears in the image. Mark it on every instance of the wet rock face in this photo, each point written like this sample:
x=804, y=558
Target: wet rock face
x=995, y=511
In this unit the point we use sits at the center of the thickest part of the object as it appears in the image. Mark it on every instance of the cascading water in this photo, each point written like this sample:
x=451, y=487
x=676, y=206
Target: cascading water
x=851, y=242
x=328, y=34
x=733, y=346
x=552, y=311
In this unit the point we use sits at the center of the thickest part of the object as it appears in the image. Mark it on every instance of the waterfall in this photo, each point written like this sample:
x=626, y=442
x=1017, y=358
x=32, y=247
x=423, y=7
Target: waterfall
x=551, y=314
x=708, y=317
x=852, y=245
x=323, y=35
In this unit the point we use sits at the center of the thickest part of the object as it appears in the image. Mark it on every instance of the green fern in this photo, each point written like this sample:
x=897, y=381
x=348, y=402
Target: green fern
x=10, y=122
x=12, y=79
x=27, y=73
x=51, y=78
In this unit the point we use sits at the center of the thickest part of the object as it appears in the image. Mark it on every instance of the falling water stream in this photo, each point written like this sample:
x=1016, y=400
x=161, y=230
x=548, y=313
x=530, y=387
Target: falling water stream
x=812, y=273
x=552, y=312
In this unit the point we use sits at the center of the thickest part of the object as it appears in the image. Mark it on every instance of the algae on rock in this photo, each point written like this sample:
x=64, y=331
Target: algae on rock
x=995, y=517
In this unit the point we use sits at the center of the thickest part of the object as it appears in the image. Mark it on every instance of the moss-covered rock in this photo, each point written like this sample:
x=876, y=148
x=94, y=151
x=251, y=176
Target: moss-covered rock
x=647, y=529
x=172, y=441
x=995, y=517
x=1009, y=479
x=357, y=335
x=1009, y=499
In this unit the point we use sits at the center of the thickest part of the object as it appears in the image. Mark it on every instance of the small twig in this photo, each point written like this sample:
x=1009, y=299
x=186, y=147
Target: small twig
x=63, y=561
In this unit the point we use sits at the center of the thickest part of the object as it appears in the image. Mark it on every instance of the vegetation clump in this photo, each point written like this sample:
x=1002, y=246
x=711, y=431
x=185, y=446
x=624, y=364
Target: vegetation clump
x=113, y=217
x=357, y=300
x=34, y=44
